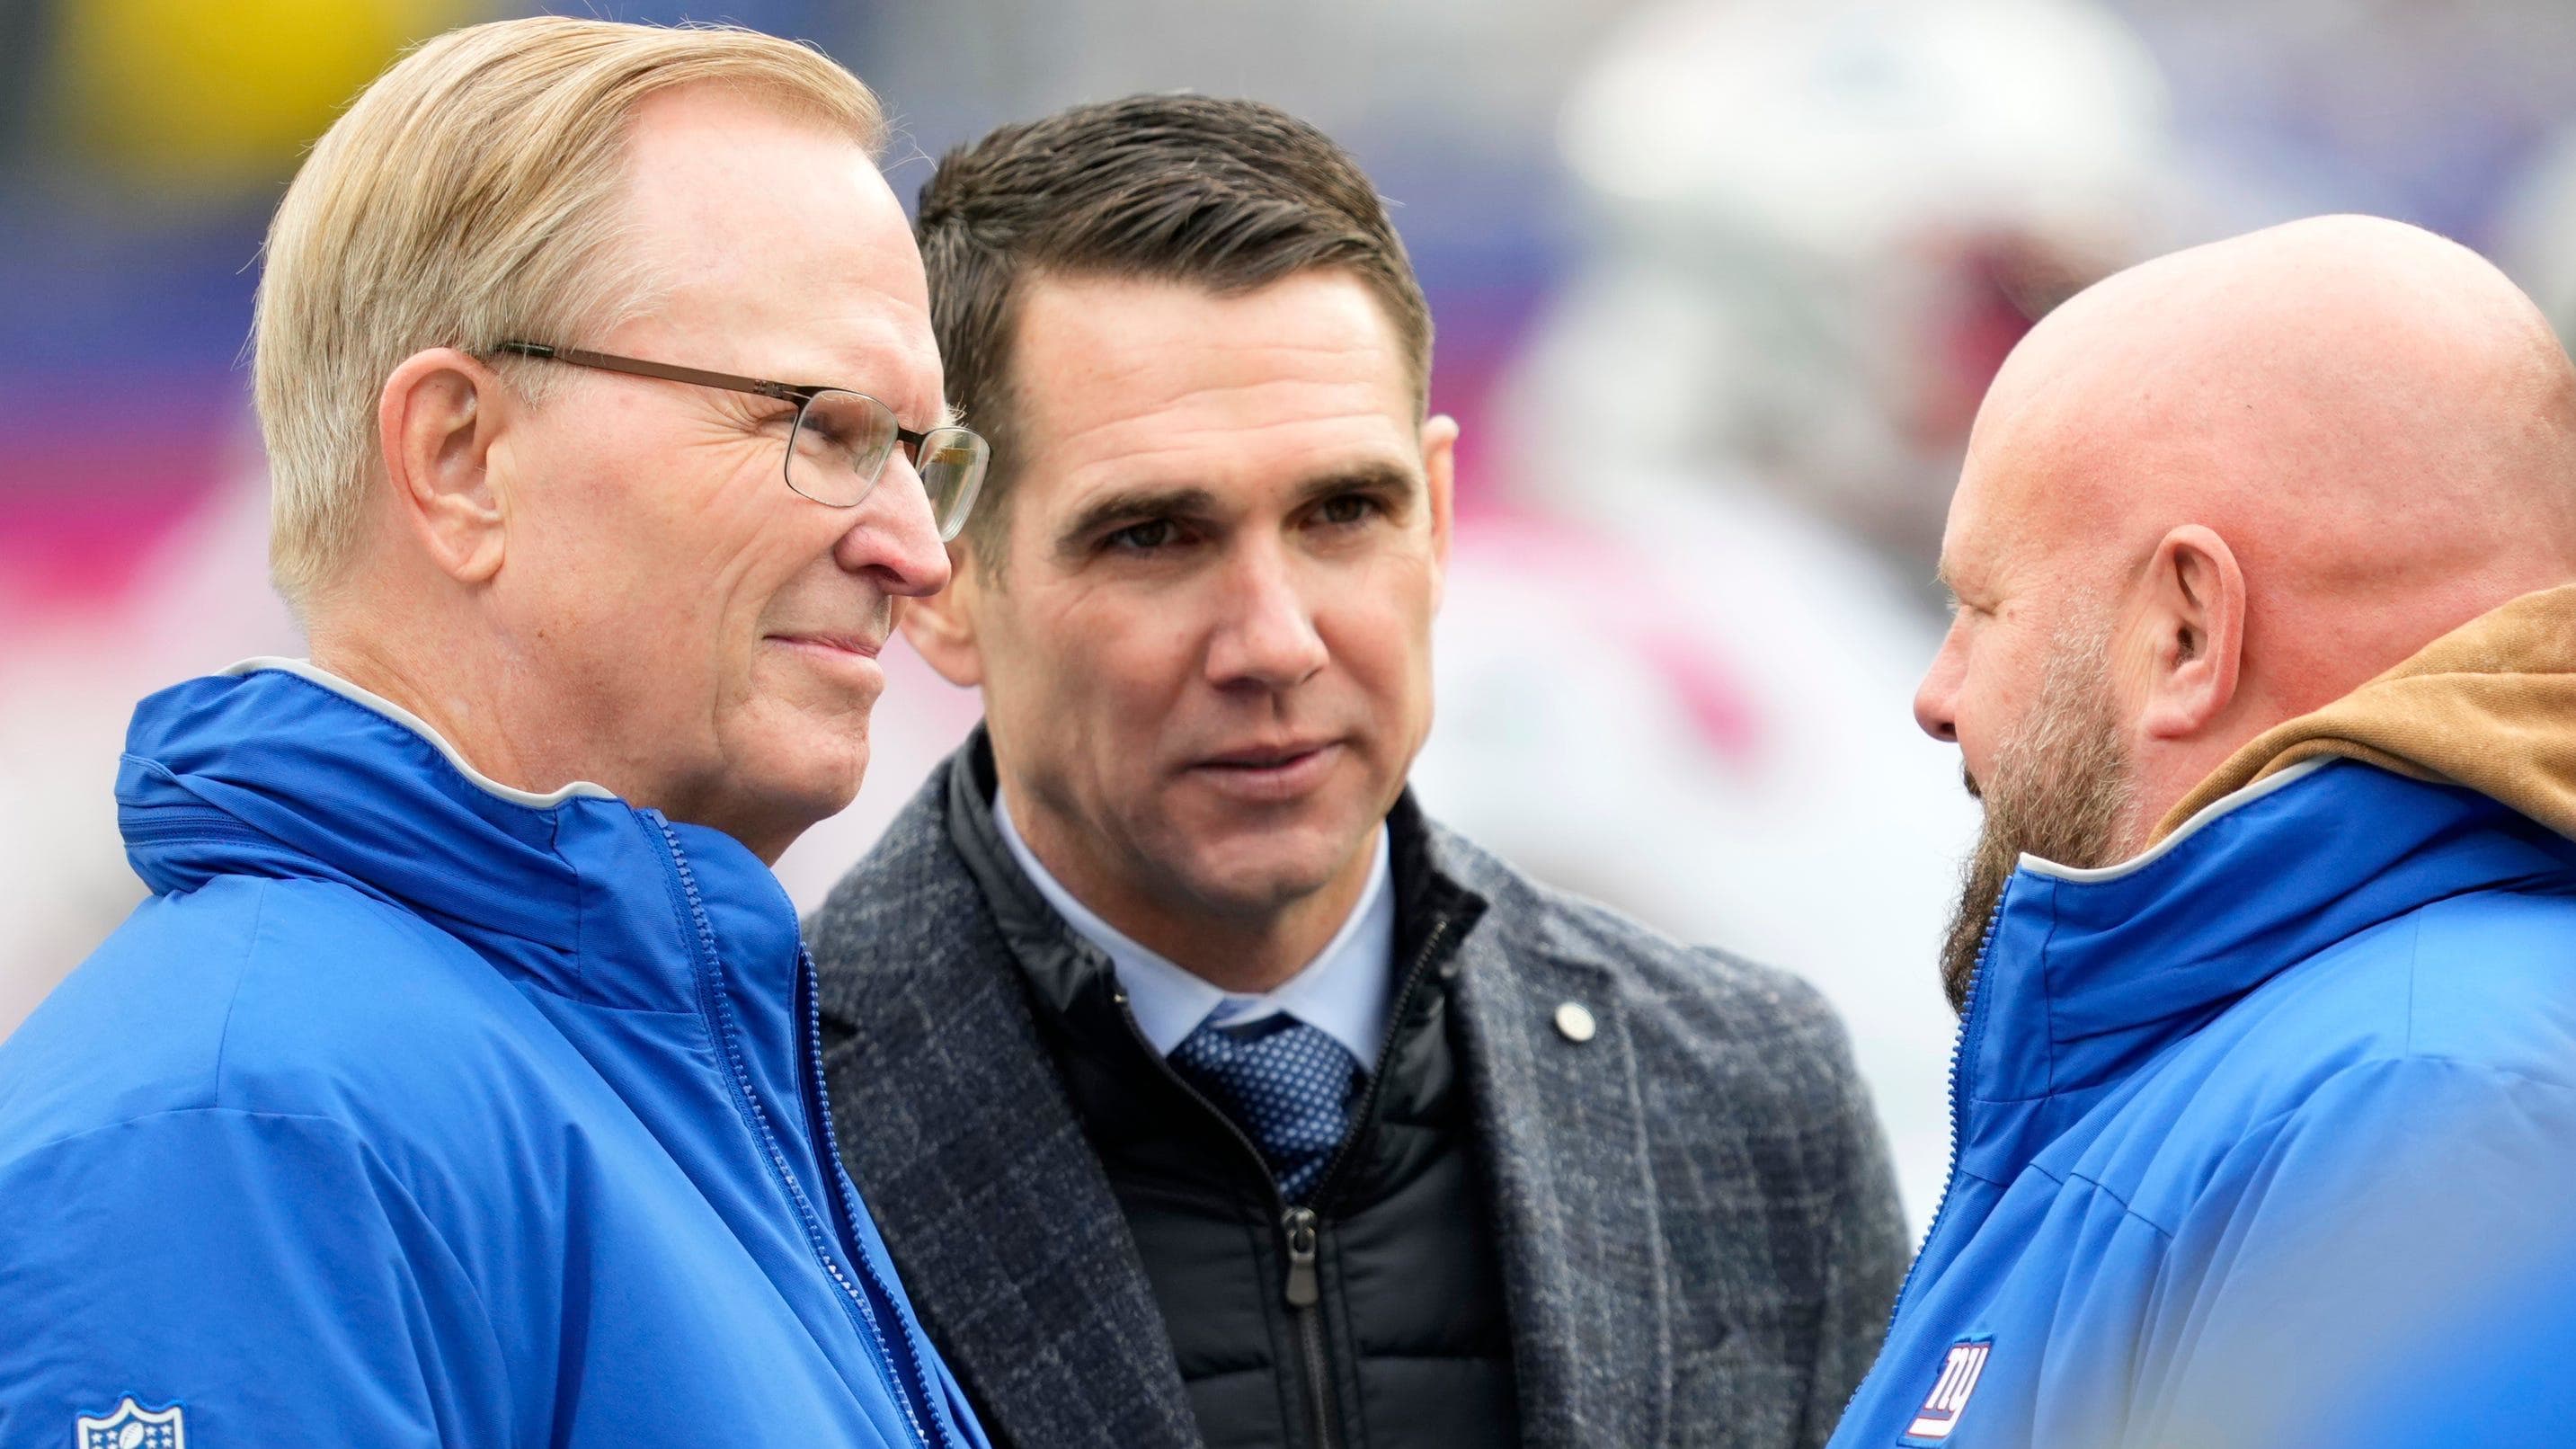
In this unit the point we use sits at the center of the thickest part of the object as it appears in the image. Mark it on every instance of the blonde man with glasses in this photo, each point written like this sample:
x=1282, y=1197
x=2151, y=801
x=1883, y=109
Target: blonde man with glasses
x=459, y=1083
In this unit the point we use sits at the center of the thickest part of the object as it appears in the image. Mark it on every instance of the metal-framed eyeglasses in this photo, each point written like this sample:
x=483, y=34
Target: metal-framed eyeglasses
x=840, y=442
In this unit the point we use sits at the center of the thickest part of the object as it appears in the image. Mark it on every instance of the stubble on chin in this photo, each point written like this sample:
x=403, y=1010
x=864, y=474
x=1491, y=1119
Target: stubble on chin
x=2061, y=789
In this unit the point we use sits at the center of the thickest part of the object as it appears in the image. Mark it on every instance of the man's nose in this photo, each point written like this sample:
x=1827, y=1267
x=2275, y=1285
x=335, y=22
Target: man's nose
x=1267, y=636
x=1936, y=699
x=892, y=537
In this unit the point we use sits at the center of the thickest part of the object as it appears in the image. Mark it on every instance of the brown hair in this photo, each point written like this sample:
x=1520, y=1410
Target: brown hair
x=1229, y=195
x=474, y=191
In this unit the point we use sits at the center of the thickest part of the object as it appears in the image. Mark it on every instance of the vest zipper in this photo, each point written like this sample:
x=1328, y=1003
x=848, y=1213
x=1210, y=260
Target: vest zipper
x=1304, y=1303
x=1299, y=1227
x=1365, y=1115
x=853, y=1303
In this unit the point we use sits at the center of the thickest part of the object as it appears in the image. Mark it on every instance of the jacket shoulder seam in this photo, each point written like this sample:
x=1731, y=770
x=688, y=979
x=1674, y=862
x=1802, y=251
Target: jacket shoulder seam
x=2395, y=1061
x=130, y=1119
x=2464, y=1064
x=2272, y=1122
x=323, y=1121
x=2098, y=1185
x=249, y=961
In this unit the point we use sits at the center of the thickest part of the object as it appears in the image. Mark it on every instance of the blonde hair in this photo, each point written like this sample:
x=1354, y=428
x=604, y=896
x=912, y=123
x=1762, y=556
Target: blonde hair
x=472, y=193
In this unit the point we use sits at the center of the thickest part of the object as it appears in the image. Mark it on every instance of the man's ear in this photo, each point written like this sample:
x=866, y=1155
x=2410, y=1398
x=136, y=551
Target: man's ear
x=941, y=626
x=2195, y=622
x=1440, y=479
x=438, y=417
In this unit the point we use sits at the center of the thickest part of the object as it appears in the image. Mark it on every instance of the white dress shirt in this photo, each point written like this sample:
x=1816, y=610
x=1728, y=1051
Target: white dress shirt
x=1343, y=992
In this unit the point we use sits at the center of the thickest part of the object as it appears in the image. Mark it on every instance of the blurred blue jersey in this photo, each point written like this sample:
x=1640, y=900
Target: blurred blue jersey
x=413, y=1110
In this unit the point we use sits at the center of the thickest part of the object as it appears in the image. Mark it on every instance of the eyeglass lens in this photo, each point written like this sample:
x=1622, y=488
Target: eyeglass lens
x=843, y=440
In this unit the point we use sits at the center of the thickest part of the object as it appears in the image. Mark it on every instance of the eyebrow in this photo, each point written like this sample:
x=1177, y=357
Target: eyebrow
x=1363, y=477
x=1142, y=503
x=1130, y=503
x=945, y=415
x=941, y=413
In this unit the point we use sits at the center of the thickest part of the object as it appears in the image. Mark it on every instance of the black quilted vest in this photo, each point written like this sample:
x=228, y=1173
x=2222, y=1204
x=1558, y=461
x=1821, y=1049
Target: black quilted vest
x=1374, y=1319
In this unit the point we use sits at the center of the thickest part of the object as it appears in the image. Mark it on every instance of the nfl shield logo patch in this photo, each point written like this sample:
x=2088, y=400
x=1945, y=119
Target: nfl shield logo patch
x=131, y=1426
x=1960, y=1369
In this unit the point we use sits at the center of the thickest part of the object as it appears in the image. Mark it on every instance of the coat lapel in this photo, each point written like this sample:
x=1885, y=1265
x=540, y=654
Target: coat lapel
x=971, y=1159
x=1562, y=1131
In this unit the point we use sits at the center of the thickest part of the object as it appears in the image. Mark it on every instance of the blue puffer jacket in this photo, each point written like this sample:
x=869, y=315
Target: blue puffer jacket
x=2245, y=1119
x=412, y=1110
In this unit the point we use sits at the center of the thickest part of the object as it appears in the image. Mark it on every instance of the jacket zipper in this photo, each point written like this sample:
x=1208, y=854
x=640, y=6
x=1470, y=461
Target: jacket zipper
x=1300, y=1227
x=915, y=1373
x=1958, y=1106
x=1404, y=997
x=184, y=826
x=853, y=1302
x=1958, y=1132
x=1304, y=1302
x=1302, y=1291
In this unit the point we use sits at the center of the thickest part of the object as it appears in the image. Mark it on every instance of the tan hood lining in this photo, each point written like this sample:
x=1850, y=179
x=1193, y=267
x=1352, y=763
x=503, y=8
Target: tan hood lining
x=2490, y=706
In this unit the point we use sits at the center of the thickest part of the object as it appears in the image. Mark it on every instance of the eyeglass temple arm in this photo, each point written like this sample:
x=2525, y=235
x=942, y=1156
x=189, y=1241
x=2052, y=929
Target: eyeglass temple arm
x=668, y=372
x=671, y=372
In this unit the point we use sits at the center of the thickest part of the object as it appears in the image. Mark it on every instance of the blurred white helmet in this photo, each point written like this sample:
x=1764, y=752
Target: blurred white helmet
x=1822, y=224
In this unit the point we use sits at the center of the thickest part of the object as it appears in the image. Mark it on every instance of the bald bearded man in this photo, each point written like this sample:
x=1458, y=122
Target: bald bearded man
x=2267, y=957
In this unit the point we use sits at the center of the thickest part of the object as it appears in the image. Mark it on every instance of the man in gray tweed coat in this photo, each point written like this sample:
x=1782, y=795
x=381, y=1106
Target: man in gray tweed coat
x=1212, y=1094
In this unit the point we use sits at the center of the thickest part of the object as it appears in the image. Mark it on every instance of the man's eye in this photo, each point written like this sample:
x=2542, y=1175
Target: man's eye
x=1348, y=508
x=814, y=436
x=1143, y=537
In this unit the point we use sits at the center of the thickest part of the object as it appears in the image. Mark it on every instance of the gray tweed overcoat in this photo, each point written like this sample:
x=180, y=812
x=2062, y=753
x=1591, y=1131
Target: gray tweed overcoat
x=1698, y=1222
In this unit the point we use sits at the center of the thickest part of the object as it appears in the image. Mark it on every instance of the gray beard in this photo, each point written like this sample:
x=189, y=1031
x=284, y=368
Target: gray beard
x=2061, y=789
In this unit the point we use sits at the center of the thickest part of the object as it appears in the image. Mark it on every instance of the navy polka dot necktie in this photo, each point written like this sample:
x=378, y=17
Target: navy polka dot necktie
x=1287, y=1084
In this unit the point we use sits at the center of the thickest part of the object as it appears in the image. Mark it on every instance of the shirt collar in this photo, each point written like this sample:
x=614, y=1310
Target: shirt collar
x=1342, y=992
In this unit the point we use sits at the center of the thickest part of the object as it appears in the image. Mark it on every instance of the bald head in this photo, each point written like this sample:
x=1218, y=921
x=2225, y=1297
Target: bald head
x=2266, y=469
x=2357, y=397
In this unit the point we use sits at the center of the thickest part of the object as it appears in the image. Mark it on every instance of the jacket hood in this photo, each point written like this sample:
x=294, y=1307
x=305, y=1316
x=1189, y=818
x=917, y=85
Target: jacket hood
x=2090, y=973
x=278, y=769
x=2490, y=706
x=2451, y=773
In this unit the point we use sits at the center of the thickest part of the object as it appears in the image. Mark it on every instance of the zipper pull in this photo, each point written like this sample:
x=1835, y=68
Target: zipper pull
x=1300, y=1226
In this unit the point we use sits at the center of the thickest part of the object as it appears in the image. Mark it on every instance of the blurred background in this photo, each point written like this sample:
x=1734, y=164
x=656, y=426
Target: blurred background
x=1718, y=284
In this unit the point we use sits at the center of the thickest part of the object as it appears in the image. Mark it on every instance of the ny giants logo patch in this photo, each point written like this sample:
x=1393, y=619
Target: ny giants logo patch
x=1939, y=1415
